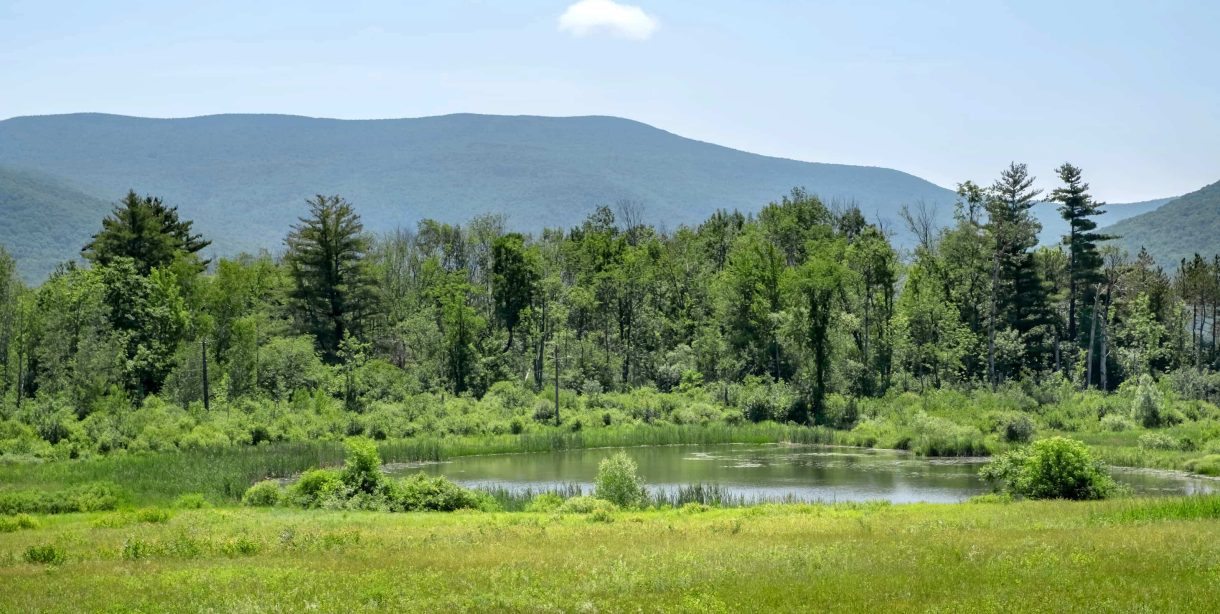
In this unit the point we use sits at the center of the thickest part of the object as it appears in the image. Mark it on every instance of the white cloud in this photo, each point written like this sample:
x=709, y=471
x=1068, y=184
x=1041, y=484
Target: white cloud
x=606, y=16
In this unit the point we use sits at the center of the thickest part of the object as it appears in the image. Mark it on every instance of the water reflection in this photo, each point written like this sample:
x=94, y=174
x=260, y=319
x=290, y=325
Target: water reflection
x=770, y=472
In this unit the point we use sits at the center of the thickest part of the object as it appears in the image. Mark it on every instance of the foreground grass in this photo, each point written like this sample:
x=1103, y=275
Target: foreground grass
x=1161, y=555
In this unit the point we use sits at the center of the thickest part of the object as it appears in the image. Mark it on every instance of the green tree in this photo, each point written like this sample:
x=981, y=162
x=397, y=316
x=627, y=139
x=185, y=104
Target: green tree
x=515, y=279
x=1017, y=299
x=819, y=286
x=146, y=231
x=461, y=326
x=1078, y=208
x=151, y=318
x=332, y=290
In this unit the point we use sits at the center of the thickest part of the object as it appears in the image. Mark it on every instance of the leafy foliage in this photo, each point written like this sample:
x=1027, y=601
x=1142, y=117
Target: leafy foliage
x=618, y=481
x=1053, y=468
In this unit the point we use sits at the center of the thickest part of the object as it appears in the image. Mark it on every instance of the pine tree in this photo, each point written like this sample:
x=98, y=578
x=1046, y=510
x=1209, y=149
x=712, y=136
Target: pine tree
x=333, y=289
x=1084, y=259
x=1018, y=296
x=146, y=231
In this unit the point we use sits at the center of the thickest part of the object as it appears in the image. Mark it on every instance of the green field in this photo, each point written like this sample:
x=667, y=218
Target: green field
x=1123, y=555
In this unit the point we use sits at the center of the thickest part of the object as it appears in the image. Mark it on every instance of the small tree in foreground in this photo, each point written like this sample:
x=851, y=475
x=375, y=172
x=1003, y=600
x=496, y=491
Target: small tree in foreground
x=618, y=482
x=1054, y=468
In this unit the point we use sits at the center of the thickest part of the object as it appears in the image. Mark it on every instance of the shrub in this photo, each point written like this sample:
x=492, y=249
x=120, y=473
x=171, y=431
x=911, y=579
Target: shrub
x=241, y=546
x=45, y=555
x=262, y=494
x=586, y=505
x=88, y=498
x=134, y=549
x=191, y=501
x=422, y=493
x=618, y=482
x=545, y=502
x=362, y=467
x=1158, y=441
x=152, y=515
x=314, y=487
x=1054, y=468
x=1147, y=406
x=8, y=524
x=1116, y=423
x=1016, y=427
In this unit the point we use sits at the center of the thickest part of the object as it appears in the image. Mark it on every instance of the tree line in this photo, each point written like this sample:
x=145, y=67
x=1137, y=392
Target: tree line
x=800, y=292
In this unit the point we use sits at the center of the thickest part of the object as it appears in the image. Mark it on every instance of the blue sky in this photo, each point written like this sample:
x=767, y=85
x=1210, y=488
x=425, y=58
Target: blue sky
x=947, y=90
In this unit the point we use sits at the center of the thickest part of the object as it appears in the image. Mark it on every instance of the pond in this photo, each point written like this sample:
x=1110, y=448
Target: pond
x=768, y=473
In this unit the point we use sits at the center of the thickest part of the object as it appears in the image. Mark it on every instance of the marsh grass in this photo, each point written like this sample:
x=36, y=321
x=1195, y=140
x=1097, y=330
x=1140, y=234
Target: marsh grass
x=1020, y=556
x=224, y=474
x=1196, y=507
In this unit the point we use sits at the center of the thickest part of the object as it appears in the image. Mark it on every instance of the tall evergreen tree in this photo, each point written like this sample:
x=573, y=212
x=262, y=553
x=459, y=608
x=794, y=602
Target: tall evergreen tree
x=145, y=230
x=332, y=286
x=1078, y=208
x=1017, y=297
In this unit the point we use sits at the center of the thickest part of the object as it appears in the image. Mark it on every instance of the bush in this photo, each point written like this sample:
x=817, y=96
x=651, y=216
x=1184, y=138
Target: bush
x=314, y=487
x=362, y=467
x=545, y=502
x=1054, y=468
x=191, y=501
x=8, y=524
x=1016, y=428
x=135, y=549
x=1158, y=441
x=422, y=493
x=619, y=483
x=263, y=494
x=89, y=498
x=1116, y=423
x=45, y=555
x=152, y=515
x=587, y=505
x=1147, y=407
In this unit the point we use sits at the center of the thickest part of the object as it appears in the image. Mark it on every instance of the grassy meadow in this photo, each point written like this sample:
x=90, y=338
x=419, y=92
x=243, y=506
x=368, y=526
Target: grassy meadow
x=1119, y=555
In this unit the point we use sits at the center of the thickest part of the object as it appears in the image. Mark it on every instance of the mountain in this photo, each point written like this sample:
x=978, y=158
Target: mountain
x=243, y=179
x=1176, y=230
x=1054, y=226
x=44, y=221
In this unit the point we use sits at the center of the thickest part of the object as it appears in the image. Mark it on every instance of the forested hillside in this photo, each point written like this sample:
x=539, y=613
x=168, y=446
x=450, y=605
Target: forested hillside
x=43, y=220
x=1186, y=226
x=799, y=313
x=242, y=178
x=1054, y=226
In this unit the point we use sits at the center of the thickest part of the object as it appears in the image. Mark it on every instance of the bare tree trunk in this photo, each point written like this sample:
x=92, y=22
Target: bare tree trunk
x=1105, y=315
x=995, y=282
x=1092, y=336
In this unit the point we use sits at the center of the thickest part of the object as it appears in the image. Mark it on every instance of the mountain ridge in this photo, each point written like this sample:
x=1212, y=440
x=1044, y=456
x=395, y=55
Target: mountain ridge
x=243, y=177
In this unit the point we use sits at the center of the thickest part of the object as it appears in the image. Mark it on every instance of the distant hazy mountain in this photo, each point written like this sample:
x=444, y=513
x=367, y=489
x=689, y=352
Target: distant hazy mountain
x=43, y=221
x=243, y=178
x=1177, y=230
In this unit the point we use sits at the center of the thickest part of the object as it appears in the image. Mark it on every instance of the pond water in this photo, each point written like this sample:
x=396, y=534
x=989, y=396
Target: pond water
x=768, y=473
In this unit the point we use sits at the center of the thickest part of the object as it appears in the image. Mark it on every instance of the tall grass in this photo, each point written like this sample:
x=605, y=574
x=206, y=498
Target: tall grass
x=1195, y=507
x=225, y=473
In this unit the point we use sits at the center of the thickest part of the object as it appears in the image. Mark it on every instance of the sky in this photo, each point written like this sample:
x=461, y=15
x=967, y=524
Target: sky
x=946, y=90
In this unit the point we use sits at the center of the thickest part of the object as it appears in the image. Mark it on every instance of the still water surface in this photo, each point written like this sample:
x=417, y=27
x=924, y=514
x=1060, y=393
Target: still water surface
x=769, y=472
